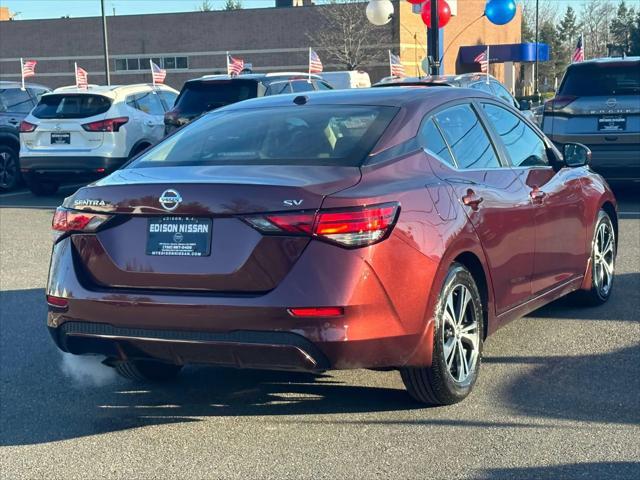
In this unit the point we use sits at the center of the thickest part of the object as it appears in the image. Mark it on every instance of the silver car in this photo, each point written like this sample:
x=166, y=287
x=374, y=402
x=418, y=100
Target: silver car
x=598, y=105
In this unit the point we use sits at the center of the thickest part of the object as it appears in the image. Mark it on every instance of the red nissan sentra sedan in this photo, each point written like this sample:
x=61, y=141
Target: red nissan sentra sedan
x=383, y=228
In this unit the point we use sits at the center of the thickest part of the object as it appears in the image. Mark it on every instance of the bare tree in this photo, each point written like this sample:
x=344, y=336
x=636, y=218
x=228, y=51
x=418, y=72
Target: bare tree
x=205, y=6
x=345, y=34
x=596, y=16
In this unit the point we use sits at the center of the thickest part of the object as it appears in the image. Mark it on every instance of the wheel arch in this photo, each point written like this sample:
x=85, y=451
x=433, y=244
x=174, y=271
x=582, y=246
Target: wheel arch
x=610, y=209
x=139, y=146
x=10, y=141
x=472, y=263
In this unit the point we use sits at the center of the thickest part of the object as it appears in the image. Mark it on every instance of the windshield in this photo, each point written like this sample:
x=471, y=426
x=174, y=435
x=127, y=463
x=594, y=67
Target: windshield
x=299, y=135
x=199, y=97
x=601, y=80
x=71, y=106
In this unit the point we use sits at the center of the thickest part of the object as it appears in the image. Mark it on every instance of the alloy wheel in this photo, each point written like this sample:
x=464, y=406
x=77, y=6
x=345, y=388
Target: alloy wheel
x=603, y=258
x=8, y=170
x=460, y=334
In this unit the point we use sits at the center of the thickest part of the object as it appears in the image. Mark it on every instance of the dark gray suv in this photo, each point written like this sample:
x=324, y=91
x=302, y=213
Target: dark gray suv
x=15, y=104
x=598, y=105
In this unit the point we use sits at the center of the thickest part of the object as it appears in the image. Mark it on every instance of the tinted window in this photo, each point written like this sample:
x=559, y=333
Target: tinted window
x=15, y=100
x=322, y=86
x=148, y=102
x=38, y=92
x=601, y=79
x=431, y=139
x=168, y=97
x=482, y=86
x=467, y=138
x=71, y=106
x=133, y=64
x=169, y=62
x=276, y=88
x=321, y=135
x=301, y=86
x=524, y=146
x=198, y=97
x=503, y=93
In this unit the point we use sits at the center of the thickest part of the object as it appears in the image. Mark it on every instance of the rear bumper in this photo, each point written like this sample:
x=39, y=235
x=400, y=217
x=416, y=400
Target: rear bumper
x=70, y=165
x=379, y=328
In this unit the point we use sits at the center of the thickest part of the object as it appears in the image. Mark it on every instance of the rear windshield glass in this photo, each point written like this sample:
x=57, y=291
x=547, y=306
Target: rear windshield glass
x=313, y=135
x=198, y=97
x=71, y=106
x=602, y=80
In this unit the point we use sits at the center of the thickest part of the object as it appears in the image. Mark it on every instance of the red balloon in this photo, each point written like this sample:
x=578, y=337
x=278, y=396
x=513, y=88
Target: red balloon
x=444, y=13
x=415, y=2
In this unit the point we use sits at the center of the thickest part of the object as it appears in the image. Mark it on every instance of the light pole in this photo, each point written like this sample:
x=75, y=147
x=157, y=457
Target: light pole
x=106, y=45
x=432, y=42
x=535, y=78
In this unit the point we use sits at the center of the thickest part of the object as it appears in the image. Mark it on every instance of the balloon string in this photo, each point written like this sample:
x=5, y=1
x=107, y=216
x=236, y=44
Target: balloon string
x=456, y=37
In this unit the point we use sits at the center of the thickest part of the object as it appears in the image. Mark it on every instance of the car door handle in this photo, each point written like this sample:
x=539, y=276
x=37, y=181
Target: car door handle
x=537, y=195
x=13, y=121
x=472, y=200
x=149, y=123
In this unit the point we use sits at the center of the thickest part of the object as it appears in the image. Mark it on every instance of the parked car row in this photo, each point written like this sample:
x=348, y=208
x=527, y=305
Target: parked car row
x=86, y=134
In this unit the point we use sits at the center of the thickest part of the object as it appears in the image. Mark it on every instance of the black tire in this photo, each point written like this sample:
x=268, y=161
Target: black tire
x=436, y=385
x=42, y=188
x=597, y=295
x=138, y=150
x=147, y=370
x=9, y=168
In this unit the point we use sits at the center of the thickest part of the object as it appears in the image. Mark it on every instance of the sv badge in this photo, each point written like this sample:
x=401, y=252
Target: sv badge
x=292, y=203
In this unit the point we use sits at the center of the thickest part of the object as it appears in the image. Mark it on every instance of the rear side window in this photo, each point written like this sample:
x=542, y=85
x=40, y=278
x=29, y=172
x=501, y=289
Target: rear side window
x=15, y=100
x=340, y=135
x=604, y=79
x=198, y=97
x=431, y=139
x=502, y=93
x=467, y=138
x=302, y=86
x=146, y=102
x=168, y=97
x=525, y=148
x=71, y=106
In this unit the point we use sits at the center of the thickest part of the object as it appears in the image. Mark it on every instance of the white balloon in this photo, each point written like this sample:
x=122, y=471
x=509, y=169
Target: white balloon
x=379, y=12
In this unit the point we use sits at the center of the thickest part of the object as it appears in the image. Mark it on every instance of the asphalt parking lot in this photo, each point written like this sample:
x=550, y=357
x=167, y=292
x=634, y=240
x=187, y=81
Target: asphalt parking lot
x=558, y=397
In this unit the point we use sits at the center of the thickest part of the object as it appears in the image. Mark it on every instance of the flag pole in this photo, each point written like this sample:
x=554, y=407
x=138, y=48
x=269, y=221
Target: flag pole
x=75, y=72
x=22, y=72
x=153, y=77
x=584, y=49
x=390, y=66
x=488, y=63
x=228, y=63
x=309, y=62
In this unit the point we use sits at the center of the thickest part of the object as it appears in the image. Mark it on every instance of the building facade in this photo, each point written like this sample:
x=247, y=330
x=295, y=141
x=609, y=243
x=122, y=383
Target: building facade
x=192, y=44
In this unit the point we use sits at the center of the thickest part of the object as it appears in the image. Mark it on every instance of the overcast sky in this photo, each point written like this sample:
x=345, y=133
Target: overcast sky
x=31, y=9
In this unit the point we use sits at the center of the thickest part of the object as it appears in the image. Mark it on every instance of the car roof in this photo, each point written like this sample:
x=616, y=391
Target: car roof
x=111, y=91
x=13, y=84
x=433, y=80
x=604, y=61
x=254, y=76
x=393, y=97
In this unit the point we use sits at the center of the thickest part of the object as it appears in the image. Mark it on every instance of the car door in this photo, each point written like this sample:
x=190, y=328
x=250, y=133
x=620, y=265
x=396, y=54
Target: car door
x=15, y=104
x=493, y=198
x=151, y=115
x=560, y=231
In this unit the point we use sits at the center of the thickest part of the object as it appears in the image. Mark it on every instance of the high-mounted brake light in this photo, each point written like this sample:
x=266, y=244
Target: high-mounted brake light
x=26, y=127
x=351, y=227
x=109, y=125
x=65, y=220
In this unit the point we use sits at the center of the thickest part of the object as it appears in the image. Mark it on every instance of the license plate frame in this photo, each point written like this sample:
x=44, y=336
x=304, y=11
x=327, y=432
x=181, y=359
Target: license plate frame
x=612, y=123
x=60, y=138
x=174, y=236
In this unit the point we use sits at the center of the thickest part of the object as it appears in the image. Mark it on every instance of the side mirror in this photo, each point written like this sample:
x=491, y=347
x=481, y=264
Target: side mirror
x=576, y=155
x=525, y=105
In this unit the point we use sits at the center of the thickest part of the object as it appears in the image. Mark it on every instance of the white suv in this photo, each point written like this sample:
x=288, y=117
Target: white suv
x=89, y=133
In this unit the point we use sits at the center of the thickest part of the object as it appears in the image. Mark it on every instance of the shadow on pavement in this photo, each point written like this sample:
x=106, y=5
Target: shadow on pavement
x=40, y=404
x=572, y=471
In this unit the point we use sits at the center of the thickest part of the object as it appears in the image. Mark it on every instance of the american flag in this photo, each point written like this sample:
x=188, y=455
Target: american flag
x=395, y=65
x=82, y=78
x=483, y=60
x=29, y=68
x=315, y=64
x=234, y=65
x=578, y=54
x=157, y=73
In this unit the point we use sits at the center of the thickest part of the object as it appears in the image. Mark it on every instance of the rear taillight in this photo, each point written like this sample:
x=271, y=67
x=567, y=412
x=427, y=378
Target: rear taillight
x=26, y=127
x=57, y=302
x=109, y=125
x=558, y=103
x=351, y=228
x=73, y=221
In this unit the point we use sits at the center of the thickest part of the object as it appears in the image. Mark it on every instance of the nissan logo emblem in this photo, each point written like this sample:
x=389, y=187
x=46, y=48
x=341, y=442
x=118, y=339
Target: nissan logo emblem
x=611, y=102
x=170, y=199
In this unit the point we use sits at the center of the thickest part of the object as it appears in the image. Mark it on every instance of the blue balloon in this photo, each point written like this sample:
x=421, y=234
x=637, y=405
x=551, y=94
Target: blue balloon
x=500, y=12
